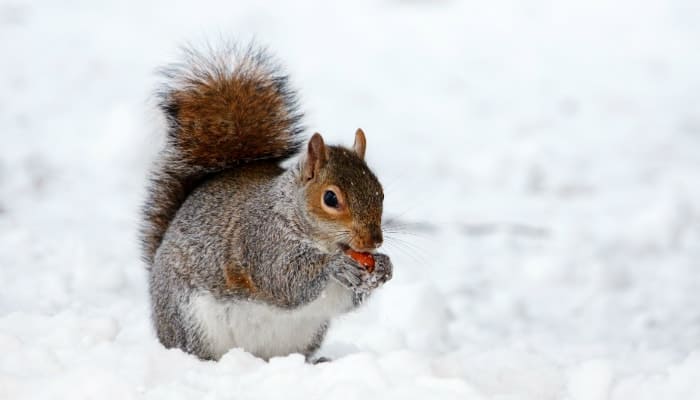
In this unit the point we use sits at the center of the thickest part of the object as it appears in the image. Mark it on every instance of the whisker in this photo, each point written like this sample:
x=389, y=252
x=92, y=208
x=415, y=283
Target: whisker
x=412, y=250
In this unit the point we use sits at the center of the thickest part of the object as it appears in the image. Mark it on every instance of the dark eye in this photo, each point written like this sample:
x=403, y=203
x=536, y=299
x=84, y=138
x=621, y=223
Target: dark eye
x=330, y=199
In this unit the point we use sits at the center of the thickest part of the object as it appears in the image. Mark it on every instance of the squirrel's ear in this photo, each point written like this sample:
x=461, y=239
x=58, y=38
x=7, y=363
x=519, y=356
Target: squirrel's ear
x=316, y=156
x=360, y=143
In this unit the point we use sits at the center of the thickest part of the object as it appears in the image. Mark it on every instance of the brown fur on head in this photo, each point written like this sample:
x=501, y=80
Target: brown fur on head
x=350, y=217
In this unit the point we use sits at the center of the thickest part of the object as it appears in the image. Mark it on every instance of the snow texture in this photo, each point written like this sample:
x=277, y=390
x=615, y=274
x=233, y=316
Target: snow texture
x=541, y=161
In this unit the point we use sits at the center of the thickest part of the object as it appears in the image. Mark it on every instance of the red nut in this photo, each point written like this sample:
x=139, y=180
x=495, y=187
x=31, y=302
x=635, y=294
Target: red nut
x=366, y=259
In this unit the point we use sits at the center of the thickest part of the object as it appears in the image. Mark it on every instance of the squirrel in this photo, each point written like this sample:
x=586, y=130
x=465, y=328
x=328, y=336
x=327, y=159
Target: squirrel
x=241, y=251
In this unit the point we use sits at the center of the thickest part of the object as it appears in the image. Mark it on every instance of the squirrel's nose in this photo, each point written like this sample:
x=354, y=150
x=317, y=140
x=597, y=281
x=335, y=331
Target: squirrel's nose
x=369, y=241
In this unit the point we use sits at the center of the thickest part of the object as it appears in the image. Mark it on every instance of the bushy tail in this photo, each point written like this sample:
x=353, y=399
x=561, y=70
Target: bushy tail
x=224, y=107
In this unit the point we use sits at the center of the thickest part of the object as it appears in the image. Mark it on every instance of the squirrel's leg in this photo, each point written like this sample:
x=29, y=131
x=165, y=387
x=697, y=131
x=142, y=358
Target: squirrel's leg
x=293, y=280
x=310, y=351
x=170, y=296
x=313, y=271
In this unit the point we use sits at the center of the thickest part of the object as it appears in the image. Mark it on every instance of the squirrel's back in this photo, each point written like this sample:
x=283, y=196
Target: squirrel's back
x=224, y=108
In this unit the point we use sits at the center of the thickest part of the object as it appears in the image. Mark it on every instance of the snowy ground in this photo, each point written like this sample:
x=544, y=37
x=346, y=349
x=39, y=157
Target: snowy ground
x=543, y=158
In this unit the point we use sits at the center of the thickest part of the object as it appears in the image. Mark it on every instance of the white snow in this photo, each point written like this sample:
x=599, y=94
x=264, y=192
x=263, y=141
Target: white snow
x=543, y=159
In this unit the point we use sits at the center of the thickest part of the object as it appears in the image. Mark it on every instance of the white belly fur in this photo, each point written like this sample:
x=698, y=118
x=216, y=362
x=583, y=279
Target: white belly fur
x=261, y=329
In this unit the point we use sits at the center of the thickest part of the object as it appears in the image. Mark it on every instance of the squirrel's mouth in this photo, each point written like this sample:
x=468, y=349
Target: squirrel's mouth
x=344, y=247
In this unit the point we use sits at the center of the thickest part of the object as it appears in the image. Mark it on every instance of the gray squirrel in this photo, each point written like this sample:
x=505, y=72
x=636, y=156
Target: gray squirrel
x=242, y=252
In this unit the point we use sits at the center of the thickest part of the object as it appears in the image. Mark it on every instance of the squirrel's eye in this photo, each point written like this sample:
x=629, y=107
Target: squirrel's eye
x=330, y=199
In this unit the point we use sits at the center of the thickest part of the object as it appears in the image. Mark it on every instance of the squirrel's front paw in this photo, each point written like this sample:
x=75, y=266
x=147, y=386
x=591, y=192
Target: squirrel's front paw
x=357, y=278
x=383, y=269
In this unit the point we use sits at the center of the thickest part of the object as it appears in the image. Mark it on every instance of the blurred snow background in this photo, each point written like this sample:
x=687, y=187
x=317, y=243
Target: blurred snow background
x=542, y=158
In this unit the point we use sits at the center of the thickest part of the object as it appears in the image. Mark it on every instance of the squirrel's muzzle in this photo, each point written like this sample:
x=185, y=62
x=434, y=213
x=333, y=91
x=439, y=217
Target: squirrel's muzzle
x=368, y=240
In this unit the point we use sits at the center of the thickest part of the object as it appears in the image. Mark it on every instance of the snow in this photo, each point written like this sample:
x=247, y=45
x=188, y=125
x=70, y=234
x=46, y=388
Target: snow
x=541, y=160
